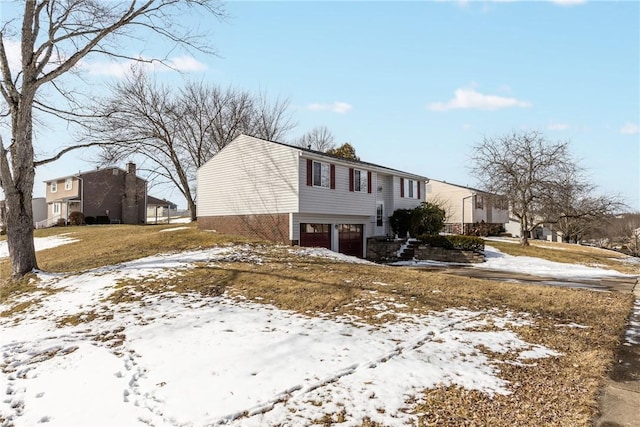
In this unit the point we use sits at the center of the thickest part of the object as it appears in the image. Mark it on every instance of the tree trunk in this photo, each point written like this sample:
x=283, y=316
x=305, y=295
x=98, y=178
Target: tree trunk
x=524, y=232
x=192, y=209
x=20, y=234
x=17, y=184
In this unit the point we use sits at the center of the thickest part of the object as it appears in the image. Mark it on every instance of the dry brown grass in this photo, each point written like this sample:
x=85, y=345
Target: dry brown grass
x=100, y=246
x=557, y=391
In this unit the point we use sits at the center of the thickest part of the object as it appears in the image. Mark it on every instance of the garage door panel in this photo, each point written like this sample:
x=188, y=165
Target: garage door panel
x=315, y=235
x=350, y=239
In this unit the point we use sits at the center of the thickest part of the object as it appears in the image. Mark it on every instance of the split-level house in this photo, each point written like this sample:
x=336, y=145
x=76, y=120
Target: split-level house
x=111, y=193
x=467, y=208
x=288, y=194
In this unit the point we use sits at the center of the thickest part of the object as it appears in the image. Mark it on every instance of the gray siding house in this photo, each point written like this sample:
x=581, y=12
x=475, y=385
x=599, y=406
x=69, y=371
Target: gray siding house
x=278, y=192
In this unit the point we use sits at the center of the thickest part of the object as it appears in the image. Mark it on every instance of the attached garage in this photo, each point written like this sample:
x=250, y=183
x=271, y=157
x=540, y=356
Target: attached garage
x=315, y=235
x=350, y=239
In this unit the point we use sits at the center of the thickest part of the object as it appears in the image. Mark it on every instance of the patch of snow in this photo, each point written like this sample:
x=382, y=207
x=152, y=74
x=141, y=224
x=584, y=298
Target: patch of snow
x=40, y=243
x=138, y=363
x=632, y=334
x=327, y=253
x=496, y=260
x=173, y=229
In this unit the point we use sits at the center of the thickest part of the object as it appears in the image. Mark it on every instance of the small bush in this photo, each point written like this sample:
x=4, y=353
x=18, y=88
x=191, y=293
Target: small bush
x=76, y=218
x=400, y=222
x=61, y=222
x=427, y=218
x=436, y=241
x=89, y=220
x=465, y=243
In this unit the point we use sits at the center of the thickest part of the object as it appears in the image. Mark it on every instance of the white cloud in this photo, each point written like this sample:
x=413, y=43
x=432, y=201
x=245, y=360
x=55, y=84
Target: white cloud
x=336, y=107
x=471, y=99
x=12, y=49
x=558, y=126
x=630, y=129
x=120, y=69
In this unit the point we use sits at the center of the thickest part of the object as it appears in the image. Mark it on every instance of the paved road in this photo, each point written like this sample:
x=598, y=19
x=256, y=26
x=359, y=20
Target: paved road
x=620, y=399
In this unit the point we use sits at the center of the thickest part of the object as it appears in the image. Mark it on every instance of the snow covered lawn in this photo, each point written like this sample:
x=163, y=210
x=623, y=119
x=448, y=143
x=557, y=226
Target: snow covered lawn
x=78, y=356
x=40, y=243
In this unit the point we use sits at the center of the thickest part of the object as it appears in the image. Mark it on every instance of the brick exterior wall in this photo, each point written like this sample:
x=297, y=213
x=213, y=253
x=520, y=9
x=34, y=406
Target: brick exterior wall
x=273, y=227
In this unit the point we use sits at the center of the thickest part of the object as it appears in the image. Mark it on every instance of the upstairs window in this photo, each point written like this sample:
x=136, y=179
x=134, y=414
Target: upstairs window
x=54, y=186
x=359, y=180
x=409, y=188
x=479, y=202
x=68, y=184
x=321, y=176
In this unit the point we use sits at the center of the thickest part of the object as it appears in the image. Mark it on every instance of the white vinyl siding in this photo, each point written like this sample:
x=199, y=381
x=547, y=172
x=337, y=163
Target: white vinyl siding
x=477, y=206
x=339, y=200
x=249, y=176
x=405, y=202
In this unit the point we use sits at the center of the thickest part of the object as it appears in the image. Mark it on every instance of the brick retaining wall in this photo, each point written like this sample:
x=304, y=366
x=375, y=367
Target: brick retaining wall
x=380, y=250
x=273, y=227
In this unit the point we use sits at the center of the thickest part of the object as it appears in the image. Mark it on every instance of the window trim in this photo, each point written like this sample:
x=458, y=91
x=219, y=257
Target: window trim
x=68, y=184
x=57, y=208
x=54, y=186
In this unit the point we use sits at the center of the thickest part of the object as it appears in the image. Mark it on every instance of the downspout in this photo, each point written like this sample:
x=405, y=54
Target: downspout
x=81, y=194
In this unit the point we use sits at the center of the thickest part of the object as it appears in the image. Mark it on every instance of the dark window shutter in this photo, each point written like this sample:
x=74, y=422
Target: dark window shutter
x=332, y=176
x=401, y=187
x=309, y=172
x=369, y=181
x=350, y=179
x=418, y=189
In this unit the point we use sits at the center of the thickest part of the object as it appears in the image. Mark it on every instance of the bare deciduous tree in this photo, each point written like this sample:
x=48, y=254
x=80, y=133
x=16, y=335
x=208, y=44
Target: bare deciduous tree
x=524, y=167
x=319, y=138
x=575, y=209
x=542, y=184
x=175, y=131
x=54, y=36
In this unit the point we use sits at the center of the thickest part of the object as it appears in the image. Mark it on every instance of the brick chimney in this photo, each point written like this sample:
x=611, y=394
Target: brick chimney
x=131, y=168
x=130, y=198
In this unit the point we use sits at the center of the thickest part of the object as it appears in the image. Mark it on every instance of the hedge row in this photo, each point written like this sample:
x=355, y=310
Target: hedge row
x=467, y=243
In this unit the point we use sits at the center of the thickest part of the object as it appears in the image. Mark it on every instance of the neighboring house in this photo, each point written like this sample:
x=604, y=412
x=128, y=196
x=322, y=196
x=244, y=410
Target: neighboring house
x=541, y=232
x=38, y=205
x=293, y=195
x=468, y=206
x=112, y=194
x=159, y=208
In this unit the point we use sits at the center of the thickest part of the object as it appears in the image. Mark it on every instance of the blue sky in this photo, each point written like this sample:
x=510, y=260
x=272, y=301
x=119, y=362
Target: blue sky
x=414, y=85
